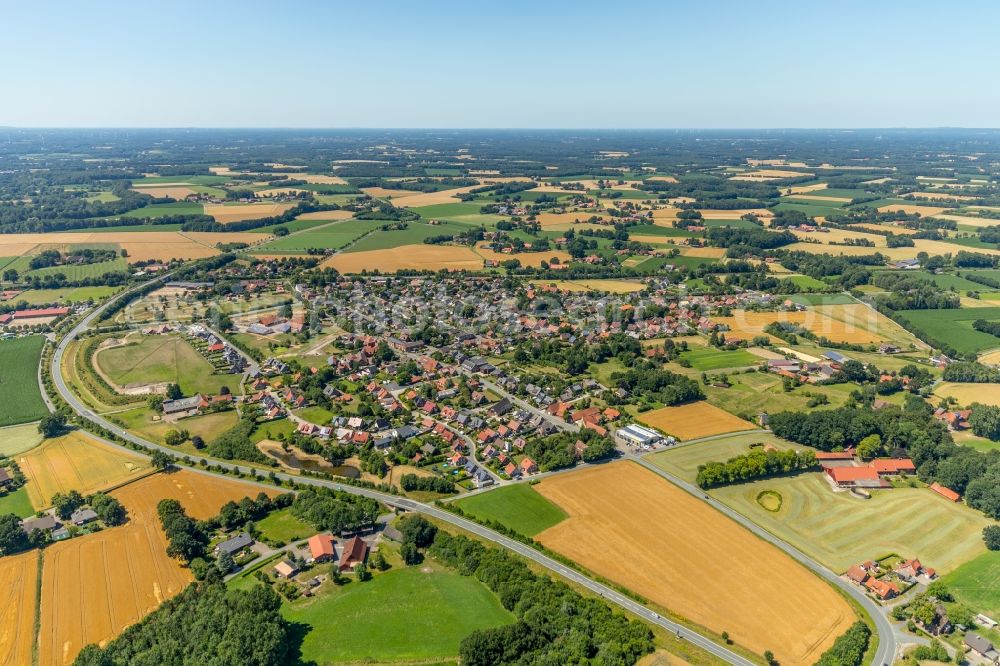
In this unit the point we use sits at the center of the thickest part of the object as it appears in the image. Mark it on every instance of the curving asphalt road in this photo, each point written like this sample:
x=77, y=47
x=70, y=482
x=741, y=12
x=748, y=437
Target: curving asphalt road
x=605, y=591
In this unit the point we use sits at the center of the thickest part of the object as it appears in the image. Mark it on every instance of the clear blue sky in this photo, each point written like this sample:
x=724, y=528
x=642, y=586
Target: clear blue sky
x=510, y=63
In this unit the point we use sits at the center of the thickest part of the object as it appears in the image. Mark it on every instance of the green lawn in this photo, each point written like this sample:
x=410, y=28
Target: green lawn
x=710, y=358
x=518, y=507
x=19, y=438
x=208, y=427
x=806, y=282
x=405, y=614
x=281, y=525
x=823, y=299
x=272, y=429
x=977, y=583
x=83, y=271
x=17, y=503
x=317, y=415
x=683, y=461
x=20, y=397
x=163, y=358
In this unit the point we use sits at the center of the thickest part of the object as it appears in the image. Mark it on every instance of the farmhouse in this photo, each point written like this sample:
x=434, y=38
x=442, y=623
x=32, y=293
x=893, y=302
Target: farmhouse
x=46, y=523
x=855, y=477
x=881, y=589
x=981, y=646
x=354, y=553
x=183, y=406
x=236, y=544
x=321, y=548
x=83, y=516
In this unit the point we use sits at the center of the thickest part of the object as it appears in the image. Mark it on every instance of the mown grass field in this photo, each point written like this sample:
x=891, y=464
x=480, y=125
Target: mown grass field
x=954, y=326
x=414, y=233
x=331, y=236
x=977, y=583
x=281, y=525
x=20, y=398
x=17, y=503
x=710, y=358
x=518, y=507
x=407, y=614
x=163, y=358
x=19, y=438
x=63, y=295
x=83, y=271
x=161, y=210
x=840, y=530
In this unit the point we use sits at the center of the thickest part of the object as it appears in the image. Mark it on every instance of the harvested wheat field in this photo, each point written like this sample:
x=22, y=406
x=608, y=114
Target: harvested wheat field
x=18, y=582
x=384, y=192
x=140, y=245
x=76, y=461
x=884, y=227
x=637, y=529
x=173, y=191
x=327, y=215
x=319, y=179
x=910, y=209
x=770, y=174
x=854, y=325
x=413, y=200
x=526, y=258
x=840, y=236
x=613, y=286
x=95, y=586
x=802, y=189
x=715, y=214
x=421, y=257
x=663, y=179
x=970, y=220
x=708, y=252
x=226, y=213
x=693, y=420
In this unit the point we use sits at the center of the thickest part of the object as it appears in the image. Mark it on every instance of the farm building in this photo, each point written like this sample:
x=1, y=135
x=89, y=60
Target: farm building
x=286, y=569
x=321, y=548
x=83, y=516
x=947, y=493
x=636, y=435
x=855, y=477
x=182, y=406
x=236, y=544
x=354, y=553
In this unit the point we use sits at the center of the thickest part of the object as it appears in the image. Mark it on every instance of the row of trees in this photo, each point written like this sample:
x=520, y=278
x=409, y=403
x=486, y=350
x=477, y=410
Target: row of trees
x=755, y=464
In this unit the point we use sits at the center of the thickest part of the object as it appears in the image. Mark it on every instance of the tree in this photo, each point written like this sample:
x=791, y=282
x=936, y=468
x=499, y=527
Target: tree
x=991, y=535
x=769, y=657
x=174, y=392
x=12, y=537
x=417, y=530
x=66, y=504
x=870, y=447
x=408, y=551
x=161, y=460
x=378, y=560
x=52, y=425
x=985, y=420
x=225, y=562
x=173, y=438
x=108, y=509
x=362, y=572
x=197, y=442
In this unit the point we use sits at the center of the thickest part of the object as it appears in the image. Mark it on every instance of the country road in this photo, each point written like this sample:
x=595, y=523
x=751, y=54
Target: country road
x=528, y=552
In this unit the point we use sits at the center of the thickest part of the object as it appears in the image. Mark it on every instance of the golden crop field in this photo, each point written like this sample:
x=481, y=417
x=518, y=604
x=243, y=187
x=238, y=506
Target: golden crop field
x=563, y=221
x=174, y=191
x=415, y=199
x=418, y=257
x=936, y=196
x=318, y=179
x=715, y=214
x=226, y=213
x=693, y=420
x=526, y=258
x=849, y=324
x=840, y=236
x=95, y=586
x=140, y=245
x=76, y=462
x=969, y=220
x=909, y=209
x=613, y=286
x=802, y=189
x=638, y=530
x=769, y=174
x=18, y=582
x=327, y=215
x=966, y=394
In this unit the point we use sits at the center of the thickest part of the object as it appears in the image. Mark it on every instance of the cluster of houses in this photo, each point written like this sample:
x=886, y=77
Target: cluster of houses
x=274, y=324
x=808, y=372
x=886, y=584
x=843, y=469
x=54, y=528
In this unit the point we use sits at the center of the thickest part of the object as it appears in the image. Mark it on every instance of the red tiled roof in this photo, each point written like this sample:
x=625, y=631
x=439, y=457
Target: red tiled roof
x=893, y=465
x=321, y=545
x=947, y=493
x=847, y=474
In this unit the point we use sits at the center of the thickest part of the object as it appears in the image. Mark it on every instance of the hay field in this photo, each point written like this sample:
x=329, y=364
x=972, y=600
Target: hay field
x=708, y=252
x=226, y=213
x=840, y=236
x=664, y=179
x=613, y=286
x=803, y=189
x=526, y=258
x=966, y=394
x=418, y=257
x=693, y=420
x=854, y=325
x=415, y=199
x=910, y=209
x=319, y=179
x=95, y=586
x=564, y=221
x=327, y=215
x=640, y=531
x=840, y=530
x=18, y=580
x=715, y=214
x=970, y=220
x=769, y=174
x=173, y=191
x=76, y=462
